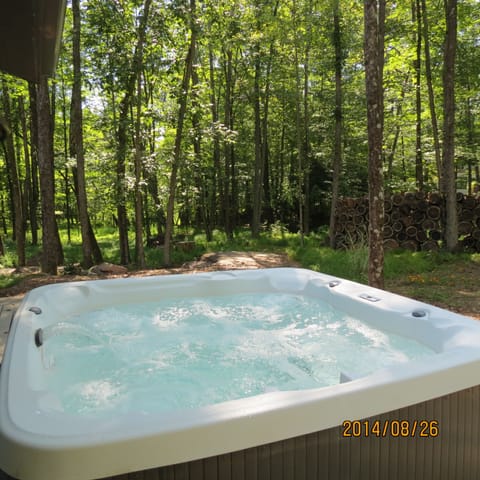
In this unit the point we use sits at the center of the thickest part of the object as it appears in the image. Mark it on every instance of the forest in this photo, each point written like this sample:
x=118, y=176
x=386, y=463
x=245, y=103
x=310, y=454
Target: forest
x=170, y=116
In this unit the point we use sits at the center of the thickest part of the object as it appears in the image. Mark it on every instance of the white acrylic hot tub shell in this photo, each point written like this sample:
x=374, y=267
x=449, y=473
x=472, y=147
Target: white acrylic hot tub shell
x=39, y=441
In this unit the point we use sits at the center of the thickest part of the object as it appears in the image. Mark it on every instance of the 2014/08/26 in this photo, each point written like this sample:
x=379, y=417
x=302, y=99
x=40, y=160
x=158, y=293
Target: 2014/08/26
x=390, y=428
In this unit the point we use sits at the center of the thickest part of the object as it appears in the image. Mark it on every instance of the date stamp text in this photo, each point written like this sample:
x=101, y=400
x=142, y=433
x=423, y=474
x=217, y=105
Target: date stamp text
x=390, y=428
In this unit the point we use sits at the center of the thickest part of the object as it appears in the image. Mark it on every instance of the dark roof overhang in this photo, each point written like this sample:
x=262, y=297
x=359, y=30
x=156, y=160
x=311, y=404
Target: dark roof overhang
x=30, y=34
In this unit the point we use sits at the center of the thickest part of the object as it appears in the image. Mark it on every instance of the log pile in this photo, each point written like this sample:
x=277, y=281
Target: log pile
x=413, y=221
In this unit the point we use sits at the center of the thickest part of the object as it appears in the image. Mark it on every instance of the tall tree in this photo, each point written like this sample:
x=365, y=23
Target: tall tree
x=258, y=163
x=29, y=205
x=261, y=181
x=11, y=161
x=139, y=142
x=35, y=194
x=417, y=15
x=448, y=158
x=216, y=145
x=52, y=253
x=431, y=95
x=121, y=154
x=77, y=147
x=300, y=125
x=177, y=153
x=129, y=79
x=374, y=34
x=337, y=148
x=227, y=193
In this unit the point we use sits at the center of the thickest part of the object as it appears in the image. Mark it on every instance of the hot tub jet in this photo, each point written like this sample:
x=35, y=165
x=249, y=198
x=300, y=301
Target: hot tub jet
x=39, y=337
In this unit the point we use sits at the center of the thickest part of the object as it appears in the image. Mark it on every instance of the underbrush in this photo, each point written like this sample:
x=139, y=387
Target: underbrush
x=310, y=252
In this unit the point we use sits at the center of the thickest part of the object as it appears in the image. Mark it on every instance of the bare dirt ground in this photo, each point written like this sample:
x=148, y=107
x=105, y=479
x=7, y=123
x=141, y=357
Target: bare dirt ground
x=32, y=278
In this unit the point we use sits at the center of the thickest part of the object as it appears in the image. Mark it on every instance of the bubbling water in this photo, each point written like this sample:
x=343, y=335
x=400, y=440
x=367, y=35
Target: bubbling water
x=190, y=352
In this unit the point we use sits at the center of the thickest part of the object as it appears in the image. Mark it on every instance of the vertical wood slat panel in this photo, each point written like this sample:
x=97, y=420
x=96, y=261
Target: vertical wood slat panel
x=344, y=457
x=455, y=453
x=333, y=457
x=238, y=465
x=467, y=431
x=181, y=471
x=167, y=473
x=434, y=411
x=300, y=457
x=251, y=464
x=394, y=453
x=152, y=474
x=324, y=452
x=475, y=425
x=210, y=466
x=195, y=470
x=409, y=448
x=137, y=475
x=263, y=465
x=289, y=459
x=276, y=461
x=311, y=453
x=423, y=449
x=224, y=467
x=374, y=457
x=445, y=457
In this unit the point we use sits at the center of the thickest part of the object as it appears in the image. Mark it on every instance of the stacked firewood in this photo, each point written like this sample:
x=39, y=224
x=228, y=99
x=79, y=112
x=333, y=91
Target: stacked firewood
x=413, y=221
x=469, y=222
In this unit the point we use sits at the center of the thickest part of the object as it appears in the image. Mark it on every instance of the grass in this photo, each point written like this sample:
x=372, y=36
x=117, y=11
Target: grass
x=444, y=279
x=428, y=276
x=7, y=281
x=312, y=253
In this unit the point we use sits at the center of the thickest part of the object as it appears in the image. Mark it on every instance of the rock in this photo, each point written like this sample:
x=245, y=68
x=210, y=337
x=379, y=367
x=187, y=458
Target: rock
x=106, y=268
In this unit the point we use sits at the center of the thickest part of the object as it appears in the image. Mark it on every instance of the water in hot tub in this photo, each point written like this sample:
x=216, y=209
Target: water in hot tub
x=190, y=352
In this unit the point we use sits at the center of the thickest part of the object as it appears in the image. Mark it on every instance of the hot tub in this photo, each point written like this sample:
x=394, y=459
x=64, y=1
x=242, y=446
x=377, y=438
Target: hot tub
x=414, y=415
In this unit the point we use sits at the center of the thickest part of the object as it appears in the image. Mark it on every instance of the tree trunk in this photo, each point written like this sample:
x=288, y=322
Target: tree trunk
x=216, y=148
x=228, y=148
x=139, y=144
x=121, y=153
x=374, y=16
x=300, y=144
x=11, y=162
x=418, y=97
x=431, y=96
x=258, y=168
x=33, y=199
x=66, y=171
x=306, y=119
x=28, y=170
x=76, y=141
x=203, y=174
x=51, y=247
x=448, y=160
x=337, y=147
x=398, y=129
x=471, y=143
x=267, y=195
x=182, y=108
x=121, y=180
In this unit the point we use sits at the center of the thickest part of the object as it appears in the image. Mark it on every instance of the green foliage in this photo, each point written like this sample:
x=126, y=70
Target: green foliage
x=350, y=264
x=9, y=260
x=427, y=276
x=287, y=48
x=7, y=281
